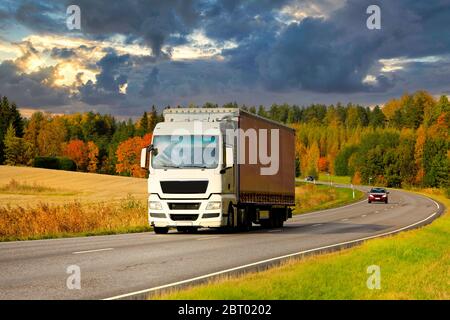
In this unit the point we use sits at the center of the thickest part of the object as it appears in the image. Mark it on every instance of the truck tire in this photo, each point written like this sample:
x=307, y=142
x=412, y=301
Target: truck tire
x=160, y=230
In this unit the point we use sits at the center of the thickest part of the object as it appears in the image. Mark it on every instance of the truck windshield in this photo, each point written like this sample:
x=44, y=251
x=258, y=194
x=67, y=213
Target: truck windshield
x=185, y=151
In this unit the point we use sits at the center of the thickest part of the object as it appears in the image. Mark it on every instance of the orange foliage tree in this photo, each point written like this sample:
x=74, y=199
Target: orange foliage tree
x=323, y=164
x=77, y=151
x=128, y=156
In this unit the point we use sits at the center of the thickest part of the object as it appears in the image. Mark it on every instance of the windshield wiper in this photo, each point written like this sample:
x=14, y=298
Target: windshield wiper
x=170, y=166
x=196, y=166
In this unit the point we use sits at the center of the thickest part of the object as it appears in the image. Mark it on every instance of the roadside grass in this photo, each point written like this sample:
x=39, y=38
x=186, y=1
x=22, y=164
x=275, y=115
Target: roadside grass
x=335, y=179
x=72, y=219
x=313, y=197
x=413, y=264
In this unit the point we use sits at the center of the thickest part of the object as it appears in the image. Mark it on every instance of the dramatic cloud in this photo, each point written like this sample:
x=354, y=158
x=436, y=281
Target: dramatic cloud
x=31, y=90
x=109, y=82
x=129, y=55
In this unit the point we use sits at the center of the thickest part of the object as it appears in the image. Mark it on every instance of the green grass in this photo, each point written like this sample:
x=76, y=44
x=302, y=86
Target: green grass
x=335, y=179
x=310, y=197
x=414, y=265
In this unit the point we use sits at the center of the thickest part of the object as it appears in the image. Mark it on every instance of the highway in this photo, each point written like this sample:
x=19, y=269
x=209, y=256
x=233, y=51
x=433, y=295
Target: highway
x=121, y=265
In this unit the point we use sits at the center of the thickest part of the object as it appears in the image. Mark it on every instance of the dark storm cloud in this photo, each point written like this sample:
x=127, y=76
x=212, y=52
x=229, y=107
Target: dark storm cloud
x=335, y=54
x=31, y=89
x=150, y=22
x=113, y=75
x=151, y=83
x=41, y=15
x=239, y=19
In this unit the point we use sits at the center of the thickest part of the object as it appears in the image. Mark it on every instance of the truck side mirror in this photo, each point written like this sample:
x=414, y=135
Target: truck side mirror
x=229, y=157
x=145, y=155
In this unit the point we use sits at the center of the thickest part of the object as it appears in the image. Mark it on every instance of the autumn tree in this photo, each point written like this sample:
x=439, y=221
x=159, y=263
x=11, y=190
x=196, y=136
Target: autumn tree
x=34, y=125
x=92, y=156
x=323, y=164
x=128, y=156
x=77, y=151
x=51, y=137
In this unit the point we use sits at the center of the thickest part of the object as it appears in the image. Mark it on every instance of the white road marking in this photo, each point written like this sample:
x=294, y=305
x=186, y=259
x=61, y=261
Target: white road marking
x=377, y=211
x=206, y=276
x=364, y=215
x=317, y=224
x=208, y=238
x=95, y=250
x=345, y=219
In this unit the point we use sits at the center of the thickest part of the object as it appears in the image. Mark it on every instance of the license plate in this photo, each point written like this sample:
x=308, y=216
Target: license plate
x=184, y=223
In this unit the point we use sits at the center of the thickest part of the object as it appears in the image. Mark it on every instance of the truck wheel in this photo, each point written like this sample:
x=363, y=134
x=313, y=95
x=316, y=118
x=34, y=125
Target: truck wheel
x=161, y=230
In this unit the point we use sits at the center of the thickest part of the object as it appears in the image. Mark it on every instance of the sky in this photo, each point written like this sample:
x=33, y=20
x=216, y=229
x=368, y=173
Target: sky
x=130, y=55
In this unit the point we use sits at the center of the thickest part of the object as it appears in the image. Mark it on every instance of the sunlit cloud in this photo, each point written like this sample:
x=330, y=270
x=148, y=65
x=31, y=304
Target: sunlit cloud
x=200, y=46
x=399, y=63
x=297, y=11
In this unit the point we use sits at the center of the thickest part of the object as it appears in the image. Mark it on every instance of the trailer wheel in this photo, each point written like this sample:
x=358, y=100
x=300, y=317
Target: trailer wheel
x=161, y=230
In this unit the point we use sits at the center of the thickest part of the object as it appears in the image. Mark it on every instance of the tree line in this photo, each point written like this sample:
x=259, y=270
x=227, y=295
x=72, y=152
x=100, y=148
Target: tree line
x=406, y=141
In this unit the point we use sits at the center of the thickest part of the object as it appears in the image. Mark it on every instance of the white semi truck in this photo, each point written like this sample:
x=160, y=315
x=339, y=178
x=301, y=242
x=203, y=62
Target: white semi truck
x=219, y=168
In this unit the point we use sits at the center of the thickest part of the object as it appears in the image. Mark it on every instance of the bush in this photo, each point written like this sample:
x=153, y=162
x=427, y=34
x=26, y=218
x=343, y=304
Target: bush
x=57, y=163
x=67, y=164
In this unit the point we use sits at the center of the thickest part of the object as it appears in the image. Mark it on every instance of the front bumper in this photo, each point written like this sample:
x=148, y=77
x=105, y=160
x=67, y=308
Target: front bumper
x=166, y=217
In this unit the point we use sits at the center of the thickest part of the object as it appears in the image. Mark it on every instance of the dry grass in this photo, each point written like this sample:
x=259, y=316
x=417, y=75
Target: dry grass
x=40, y=203
x=60, y=187
x=50, y=221
x=15, y=187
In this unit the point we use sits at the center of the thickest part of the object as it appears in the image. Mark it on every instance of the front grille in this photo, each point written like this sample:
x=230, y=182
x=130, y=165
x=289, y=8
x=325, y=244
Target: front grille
x=184, y=206
x=184, y=186
x=184, y=217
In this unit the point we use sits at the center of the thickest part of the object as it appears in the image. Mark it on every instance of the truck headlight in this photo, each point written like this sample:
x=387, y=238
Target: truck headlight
x=214, y=205
x=154, y=205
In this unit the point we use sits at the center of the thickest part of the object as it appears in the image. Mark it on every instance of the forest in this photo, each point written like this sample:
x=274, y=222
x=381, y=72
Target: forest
x=403, y=143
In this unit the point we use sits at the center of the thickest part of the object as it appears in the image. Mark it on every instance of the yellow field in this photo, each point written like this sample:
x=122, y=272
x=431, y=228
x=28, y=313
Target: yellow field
x=60, y=187
x=40, y=203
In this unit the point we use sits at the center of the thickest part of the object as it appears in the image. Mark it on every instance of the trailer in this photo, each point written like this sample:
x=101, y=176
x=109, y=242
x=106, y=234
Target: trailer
x=219, y=168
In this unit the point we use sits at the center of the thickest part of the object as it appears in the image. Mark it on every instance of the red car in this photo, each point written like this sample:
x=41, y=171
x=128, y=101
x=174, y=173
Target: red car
x=378, y=194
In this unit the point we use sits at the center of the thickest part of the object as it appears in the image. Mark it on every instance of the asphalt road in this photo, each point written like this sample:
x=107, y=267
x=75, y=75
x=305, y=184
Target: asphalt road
x=121, y=264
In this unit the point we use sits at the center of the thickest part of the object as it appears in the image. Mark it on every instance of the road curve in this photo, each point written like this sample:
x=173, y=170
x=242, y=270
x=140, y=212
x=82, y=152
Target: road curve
x=115, y=265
